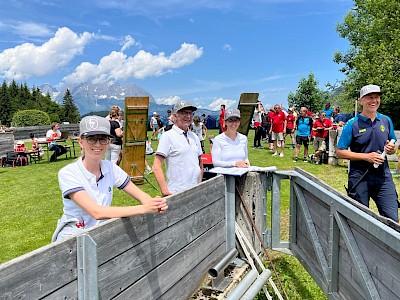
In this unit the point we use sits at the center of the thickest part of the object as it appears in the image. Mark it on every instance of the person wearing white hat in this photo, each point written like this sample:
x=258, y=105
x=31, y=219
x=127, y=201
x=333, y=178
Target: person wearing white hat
x=87, y=184
x=180, y=149
x=230, y=147
x=363, y=139
x=154, y=125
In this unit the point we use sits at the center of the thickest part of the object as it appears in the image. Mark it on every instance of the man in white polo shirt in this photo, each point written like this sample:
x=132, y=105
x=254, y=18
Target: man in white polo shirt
x=181, y=151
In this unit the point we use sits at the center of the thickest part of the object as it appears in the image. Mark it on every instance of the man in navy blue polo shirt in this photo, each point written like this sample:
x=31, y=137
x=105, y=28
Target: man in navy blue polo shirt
x=363, y=138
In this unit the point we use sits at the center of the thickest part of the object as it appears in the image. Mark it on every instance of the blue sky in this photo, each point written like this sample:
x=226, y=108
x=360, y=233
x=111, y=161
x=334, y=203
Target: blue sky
x=206, y=52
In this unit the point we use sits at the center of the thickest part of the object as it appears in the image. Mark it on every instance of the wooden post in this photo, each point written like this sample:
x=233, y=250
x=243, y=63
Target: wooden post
x=332, y=158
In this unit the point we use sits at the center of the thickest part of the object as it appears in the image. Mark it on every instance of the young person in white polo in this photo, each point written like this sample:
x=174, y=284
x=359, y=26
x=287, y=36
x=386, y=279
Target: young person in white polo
x=87, y=184
x=181, y=151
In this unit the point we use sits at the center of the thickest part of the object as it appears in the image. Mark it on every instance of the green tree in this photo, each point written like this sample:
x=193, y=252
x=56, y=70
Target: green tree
x=373, y=31
x=307, y=94
x=71, y=112
x=5, y=105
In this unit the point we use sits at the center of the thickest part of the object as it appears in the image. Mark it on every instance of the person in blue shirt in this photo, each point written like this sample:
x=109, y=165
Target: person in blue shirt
x=303, y=126
x=328, y=111
x=363, y=139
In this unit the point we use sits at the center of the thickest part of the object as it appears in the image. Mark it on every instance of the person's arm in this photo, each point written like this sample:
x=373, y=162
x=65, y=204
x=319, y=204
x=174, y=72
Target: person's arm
x=83, y=199
x=201, y=168
x=217, y=158
x=372, y=157
x=205, y=131
x=119, y=132
x=159, y=174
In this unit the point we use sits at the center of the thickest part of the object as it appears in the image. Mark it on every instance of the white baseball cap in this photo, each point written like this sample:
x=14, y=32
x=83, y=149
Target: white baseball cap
x=369, y=89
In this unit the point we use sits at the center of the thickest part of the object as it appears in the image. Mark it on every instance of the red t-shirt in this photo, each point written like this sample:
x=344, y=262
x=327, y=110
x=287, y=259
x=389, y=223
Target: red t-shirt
x=290, y=121
x=278, y=121
x=322, y=133
x=221, y=117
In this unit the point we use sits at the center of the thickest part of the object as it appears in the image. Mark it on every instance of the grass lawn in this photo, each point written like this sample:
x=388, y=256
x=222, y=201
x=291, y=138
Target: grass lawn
x=30, y=200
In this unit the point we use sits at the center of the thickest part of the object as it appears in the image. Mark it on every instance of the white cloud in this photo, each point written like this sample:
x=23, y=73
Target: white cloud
x=119, y=66
x=216, y=104
x=29, y=29
x=28, y=60
x=227, y=47
x=129, y=42
x=169, y=100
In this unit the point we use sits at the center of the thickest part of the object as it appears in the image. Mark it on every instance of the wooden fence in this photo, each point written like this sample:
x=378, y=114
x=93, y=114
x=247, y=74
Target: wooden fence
x=350, y=252
x=143, y=257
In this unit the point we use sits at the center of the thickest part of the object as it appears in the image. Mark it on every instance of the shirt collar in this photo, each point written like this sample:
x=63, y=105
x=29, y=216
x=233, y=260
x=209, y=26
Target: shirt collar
x=378, y=117
x=104, y=168
x=177, y=129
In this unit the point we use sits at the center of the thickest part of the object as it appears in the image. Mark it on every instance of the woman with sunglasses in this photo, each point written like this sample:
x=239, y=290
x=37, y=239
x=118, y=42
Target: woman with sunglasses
x=87, y=184
x=230, y=147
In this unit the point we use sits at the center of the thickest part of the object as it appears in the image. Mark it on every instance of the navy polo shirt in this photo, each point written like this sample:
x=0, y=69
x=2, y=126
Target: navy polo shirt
x=364, y=136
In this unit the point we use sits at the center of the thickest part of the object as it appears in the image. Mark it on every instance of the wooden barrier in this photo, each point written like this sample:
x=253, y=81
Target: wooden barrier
x=143, y=257
x=350, y=252
x=6, y=143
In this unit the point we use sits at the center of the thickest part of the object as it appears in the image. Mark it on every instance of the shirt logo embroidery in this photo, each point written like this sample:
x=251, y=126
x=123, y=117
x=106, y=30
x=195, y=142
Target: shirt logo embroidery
x=382, y=128
x=362, y=130
x=109, y=189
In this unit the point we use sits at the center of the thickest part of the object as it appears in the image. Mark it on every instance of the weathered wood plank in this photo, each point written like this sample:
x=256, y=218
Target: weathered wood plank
x=160, y=280
x=39, y=272
x=180, y=205
x=189, y=284
x=346, y=290
x=121, y=272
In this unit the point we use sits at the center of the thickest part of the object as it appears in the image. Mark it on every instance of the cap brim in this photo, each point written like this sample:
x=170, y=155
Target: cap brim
x=193, y=108
x=91, y=133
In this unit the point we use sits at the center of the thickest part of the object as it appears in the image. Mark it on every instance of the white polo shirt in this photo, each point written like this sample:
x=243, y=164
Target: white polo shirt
x=225, y=152
x=181, y=158
x=74, y=177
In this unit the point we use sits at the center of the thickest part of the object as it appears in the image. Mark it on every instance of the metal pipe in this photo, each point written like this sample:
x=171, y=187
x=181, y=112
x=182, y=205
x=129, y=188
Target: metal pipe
x=257, y=285
x=243, y=285
x=223, y=263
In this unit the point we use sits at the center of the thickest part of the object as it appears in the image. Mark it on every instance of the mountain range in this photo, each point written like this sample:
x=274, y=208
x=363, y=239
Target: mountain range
x=90, y=97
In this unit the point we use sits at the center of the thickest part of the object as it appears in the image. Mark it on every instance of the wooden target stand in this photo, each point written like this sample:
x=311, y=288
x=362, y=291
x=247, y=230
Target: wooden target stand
x=247, y=104
x=134, y=140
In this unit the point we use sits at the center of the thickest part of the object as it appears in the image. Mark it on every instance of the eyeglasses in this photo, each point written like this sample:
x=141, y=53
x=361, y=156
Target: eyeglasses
x=91, y=140
x=233, y=120
x=186, y=113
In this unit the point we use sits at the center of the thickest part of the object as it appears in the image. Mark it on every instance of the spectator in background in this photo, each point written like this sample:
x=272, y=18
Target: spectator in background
x=154, y=125
x=161, y=127
x=52, y=136
x=303, y=126
x=170, y=120
x=200, y=130
x=257, y=125
x=328, y=111
x=269, y=117
x=221, y=122
x=87, y=184
x=230, y=147
x=114, y=149
x=278, y=127
x=291, y=120
x=35, y=145
x=321, y=128
x=181, y=151
x=338, y=118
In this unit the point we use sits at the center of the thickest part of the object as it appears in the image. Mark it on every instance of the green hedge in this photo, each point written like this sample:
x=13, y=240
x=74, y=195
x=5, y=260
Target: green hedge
x=31, y=117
